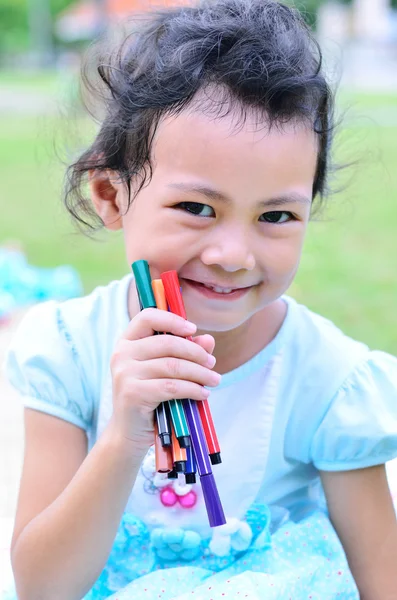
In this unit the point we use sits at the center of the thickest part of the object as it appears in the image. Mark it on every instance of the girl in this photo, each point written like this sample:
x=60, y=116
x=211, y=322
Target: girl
x=212, y=155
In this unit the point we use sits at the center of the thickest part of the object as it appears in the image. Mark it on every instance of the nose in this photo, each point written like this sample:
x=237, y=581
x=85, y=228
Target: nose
x=230, y=250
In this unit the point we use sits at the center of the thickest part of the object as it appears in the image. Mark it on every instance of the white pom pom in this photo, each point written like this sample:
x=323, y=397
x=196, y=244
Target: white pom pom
x=181, y=488
x=220, y=545
x=231, y=526
x=241, y=540
x=161, y=480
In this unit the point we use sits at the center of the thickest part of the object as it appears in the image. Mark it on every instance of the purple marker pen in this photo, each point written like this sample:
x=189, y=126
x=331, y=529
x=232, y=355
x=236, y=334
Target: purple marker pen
x=197, y=435
x=213, y=504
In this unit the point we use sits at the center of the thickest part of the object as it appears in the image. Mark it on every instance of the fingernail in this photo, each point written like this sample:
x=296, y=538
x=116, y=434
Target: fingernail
x=211, y=360
x=189, y=326
x=216, y=377
x=205, y=392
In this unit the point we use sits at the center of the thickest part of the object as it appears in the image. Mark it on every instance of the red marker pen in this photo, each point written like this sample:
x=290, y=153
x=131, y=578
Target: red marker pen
x=175, y=301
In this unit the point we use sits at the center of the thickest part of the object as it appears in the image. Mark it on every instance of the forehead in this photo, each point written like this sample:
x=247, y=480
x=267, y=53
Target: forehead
x=222, y=150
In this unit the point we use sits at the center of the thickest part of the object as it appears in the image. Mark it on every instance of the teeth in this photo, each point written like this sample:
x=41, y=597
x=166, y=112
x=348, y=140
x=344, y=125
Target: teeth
x=219, y=290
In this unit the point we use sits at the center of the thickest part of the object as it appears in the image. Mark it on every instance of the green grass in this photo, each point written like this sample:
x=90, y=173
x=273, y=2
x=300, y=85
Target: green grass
x=349, y=265
x=348, y=271
x=31, y=80
x=368, y=100
x=31, y=206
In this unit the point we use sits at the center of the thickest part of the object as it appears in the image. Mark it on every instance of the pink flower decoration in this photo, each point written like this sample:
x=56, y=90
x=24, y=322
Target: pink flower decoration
x=168, y=497
x=188, y=500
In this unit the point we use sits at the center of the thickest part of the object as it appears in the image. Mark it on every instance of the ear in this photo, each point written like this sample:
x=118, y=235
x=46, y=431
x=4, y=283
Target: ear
x=106, y=195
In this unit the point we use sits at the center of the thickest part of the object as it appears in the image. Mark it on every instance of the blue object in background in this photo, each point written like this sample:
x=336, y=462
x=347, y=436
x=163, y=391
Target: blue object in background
x=22, y=284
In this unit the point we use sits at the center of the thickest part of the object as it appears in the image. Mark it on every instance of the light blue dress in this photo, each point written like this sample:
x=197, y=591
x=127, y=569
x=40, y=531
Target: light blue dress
x=313, y=399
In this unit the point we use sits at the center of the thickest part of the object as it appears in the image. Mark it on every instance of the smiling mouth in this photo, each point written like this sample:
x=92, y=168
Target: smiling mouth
x=216, y=289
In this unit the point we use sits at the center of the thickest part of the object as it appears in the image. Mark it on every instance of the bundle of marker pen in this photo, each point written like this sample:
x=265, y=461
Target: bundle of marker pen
x=185, y=437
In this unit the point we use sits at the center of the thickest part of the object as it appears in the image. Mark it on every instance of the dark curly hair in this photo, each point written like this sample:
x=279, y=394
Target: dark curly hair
x=257, y=54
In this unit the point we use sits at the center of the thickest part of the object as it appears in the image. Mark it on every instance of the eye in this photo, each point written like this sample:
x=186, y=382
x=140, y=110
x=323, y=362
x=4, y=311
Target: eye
x=197, y=209
x=277, y=216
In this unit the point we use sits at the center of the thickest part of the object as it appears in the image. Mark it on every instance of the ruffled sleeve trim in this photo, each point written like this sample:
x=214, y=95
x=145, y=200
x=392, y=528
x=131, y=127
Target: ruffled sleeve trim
x=66, y=414
x=359, y=428
x=43, y=364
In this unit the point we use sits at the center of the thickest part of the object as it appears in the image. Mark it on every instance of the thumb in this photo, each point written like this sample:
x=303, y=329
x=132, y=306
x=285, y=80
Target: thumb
x=206, y=341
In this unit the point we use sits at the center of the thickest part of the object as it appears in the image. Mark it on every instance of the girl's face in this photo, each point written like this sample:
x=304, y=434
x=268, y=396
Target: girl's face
x=227, y=210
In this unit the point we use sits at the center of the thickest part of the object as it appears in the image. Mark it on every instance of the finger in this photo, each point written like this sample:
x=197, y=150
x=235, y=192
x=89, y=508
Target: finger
x=149, y=320
x=176, y=368
x=154, y=391
x=206, y=341
x=161, y=346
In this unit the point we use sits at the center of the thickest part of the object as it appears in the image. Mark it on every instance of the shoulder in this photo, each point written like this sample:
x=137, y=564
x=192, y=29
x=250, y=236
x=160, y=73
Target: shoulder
x=93, y=322
x=58, y=353
x=104, y=308
x=319, y=345
x=80, y=322
x=342, y=393
x=318, y=354
x=318, y=359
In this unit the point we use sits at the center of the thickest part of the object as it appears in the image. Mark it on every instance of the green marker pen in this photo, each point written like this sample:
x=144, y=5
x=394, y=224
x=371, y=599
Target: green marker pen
x=143, y=283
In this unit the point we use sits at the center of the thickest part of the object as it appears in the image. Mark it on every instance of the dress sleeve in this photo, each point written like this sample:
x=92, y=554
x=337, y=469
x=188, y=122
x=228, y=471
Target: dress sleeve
x=43, y=364
x=359, y=428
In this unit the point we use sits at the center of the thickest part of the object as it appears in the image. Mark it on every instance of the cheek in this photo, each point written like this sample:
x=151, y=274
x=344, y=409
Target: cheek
x=282, y=257
x=156, y=236
x=161, y=252
x=140, y=233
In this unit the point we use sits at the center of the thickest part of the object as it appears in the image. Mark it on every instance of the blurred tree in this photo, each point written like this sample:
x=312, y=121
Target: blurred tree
x=40, y=32
x=393, y=3
x=308, y=8
x=58, y=5
x=14, y=22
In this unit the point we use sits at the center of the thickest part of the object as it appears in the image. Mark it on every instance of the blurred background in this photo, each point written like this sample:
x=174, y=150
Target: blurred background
x=349, y=265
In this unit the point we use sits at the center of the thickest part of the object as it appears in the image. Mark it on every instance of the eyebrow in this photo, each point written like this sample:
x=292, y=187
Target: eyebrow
x=212, y=194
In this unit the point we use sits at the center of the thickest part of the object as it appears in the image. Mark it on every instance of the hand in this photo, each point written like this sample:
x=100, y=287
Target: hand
x=148, y=369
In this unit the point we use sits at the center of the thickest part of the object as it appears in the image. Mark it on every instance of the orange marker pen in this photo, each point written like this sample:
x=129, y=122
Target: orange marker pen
x=176, y=412
x=163, y=454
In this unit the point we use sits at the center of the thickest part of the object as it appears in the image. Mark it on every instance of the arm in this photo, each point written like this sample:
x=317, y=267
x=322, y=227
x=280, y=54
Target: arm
x=63, y=538
x=362, y=513
x=69, y=509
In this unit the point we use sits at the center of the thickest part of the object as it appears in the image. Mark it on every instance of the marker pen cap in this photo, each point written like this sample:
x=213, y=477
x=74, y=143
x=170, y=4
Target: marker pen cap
x=215, y=458
x=159, y=294
x=144, y=283
x=184, y=441
x=173, y=293
x=180, y=466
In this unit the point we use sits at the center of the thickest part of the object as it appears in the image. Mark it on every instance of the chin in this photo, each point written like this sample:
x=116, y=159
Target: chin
x=217, y=323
